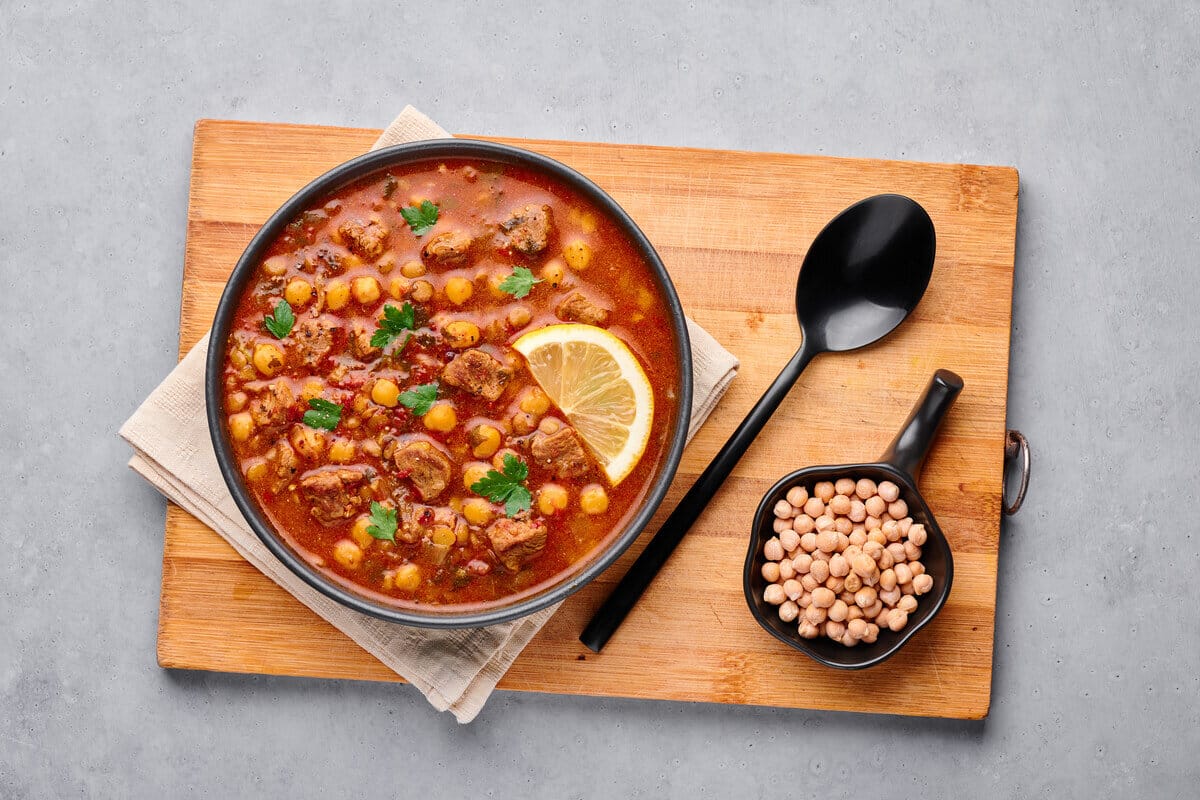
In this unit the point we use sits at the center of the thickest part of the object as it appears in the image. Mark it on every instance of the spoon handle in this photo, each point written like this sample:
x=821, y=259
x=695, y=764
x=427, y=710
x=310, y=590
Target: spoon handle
x=631, y=587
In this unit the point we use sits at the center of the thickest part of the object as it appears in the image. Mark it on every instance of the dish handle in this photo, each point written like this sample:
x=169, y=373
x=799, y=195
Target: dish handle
x=908, y=450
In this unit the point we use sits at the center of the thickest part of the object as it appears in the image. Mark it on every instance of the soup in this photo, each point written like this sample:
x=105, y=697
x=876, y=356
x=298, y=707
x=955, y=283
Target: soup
x=450, y=383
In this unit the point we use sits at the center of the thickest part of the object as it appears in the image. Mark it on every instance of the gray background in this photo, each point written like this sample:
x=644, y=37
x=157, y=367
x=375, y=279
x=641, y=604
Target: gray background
x=1096, y=673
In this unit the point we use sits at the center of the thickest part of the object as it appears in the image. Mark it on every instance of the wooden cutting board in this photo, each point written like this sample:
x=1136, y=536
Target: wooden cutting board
x=733, y=229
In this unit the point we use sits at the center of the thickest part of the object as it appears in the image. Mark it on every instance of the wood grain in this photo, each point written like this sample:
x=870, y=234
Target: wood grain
x=733, y=229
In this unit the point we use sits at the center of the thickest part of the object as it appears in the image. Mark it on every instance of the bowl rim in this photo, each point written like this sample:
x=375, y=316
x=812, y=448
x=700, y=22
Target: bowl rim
x=337, y=178
x=766, y=507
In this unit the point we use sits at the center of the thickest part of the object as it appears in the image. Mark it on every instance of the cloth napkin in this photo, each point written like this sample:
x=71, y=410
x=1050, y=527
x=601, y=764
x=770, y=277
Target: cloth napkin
x=456, y=670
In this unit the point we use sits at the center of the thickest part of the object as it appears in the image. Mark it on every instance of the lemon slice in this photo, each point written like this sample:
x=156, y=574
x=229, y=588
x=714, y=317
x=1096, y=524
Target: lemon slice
x=599, y=385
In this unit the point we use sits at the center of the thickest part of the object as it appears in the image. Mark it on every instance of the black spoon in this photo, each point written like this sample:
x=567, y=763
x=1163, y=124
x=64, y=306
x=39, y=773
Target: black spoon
x=863, y=274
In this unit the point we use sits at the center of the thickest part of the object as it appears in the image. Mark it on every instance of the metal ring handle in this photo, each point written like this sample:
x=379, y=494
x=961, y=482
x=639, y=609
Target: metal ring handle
x=1015, y=444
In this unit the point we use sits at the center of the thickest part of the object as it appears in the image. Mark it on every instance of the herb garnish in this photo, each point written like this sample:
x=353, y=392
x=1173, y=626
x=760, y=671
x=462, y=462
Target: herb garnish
x=382, y=522
x=395, y=322
x=519, y=283
x=420, y=218
x=505, y=487
x=420, y=399
x=323, y=414
x=280, y=323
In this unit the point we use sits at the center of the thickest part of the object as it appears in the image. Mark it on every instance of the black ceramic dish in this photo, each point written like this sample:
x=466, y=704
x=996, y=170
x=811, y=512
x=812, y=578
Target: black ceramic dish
x=900, y=464
x=334, y=180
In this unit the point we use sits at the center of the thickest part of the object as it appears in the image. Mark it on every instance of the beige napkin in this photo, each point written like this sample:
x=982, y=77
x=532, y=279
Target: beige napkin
x=455, y=670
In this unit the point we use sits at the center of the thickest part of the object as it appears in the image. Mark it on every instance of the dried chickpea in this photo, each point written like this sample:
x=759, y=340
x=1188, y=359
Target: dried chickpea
x=912, y=551
x=789, y=611
x=814, y=507
x=864, y=597
x=789, y=539
x=897, y=509
x=797, y=496
x=871, y=523
x=843, y=525
x=774, y=594
x=819, y=571
x=891, y=530
x=823, y=597
x=853, y=582
x=773, y=549
x=784, y=510
x=897, y=551
x=808, y=542
x=897, y=619
x=840, y=504
x=917, y=568
x=917, y=535
x=365, y=289
x=780, y=525
x=907, y=603
x=875, y=505
x=824, y=490
x=805, y=600
x=827, y=541
x=863, y=565
x=825, y=523
x=891, y=597
x=802, y=563
x=844, y=486
x=858, y=510
x=886, y=560
x=855, y=613
x=808, y=630
x=922, y=583
x=835, y=629
x=904, y=524
x=857, y=538
x=839, y=611
x=903, y=573
x=889, y=491
x=593, y=499
x=872, y=633
x=809, y=582
x=770, y=572
x=835, y=584
x=786, y=570
x=887, y=580
x=815, y=614
x=793, y=589
x=874, y=610
x=873, y=549
x=865, y=488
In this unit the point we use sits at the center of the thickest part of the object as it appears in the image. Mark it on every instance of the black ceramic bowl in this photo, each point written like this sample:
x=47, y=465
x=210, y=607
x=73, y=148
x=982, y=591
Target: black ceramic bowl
x=335, y=179
x=899, y=464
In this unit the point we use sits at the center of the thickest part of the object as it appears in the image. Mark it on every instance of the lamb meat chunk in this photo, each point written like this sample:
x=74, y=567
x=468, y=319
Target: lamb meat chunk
x=515, y=541
x=284, y=464
x=313, y=339
x=448, y=247
x=333, y=493
x=577, y=308
x=365, y=240
x=527, y=230
x=477, y=373
x=561, y=452
x=360, y=343
x=270, y=408
x=427, y=467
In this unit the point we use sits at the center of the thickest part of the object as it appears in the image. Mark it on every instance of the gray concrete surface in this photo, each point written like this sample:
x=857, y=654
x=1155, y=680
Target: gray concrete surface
x=1097, y=639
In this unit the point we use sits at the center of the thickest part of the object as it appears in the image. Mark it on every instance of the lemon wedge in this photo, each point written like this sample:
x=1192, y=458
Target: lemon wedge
x=599, y=385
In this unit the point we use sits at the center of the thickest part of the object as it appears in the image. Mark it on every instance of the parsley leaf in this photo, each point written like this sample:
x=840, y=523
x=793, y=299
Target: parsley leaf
x=324, y=414
x=420, y=218
x=382, y=522
x=505, y=487
x=280, y=323
x=420, y=399
x=519, y=283
x=395, y=322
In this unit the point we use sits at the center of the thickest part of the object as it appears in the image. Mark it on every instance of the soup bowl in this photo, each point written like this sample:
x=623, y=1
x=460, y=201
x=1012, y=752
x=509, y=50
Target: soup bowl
x=633, y=520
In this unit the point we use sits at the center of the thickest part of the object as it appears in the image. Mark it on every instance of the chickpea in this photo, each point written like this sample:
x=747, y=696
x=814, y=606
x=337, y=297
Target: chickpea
x=519, y=317
x=903, y=573
x=770, y=572
x=337, y=295
x=793, y=589
x=459, y=290
x=298, y=292
x=406, y=578
x=887, y=580
x=897, y=619
x=897, y=551
x=871, y=523
x=886, y=560
x=784, y=510
x=372, y=448
x=805, y=600
x=358, y=532
x=917, y=535
x=917, y=568
x=889, y=491
x=789, y=539
x=803, y=523
x=840, y=504
x=922, y=583
x=593, y=499
x=827, y=541
x=365, y=289
x=461, y=334
x=474, y=472
x=843, y=525
x=789, y=611
x=808, y=630
x=864, y=488
x=898, y=509
x=857, y=538
x=835, y=584
x=308, y=442
x=808, y=542
x=904, y=524
x=809, y=582
x=268, y=359
x=839, y=567
x=797, y=496
x=256, y=471
x=421, y=291
x=398, y=287
x=819, y=555
x=535, y=401
x=890, y=597
x=907, y=589
x=236, y=401
x=875, y=505
x=549, y=425
x=912, y=551
x=341, y=451
x=823, y=597
x=891, y=530
x=858, y=510
x=477, y=511
x=873, y=549
x=839, y=611
x=907, y=604
x=241, y=425
x=275, y=266
x=872, y=633
x=441, y=418
x=347, y=553
x=774, y=594
x=877, y=537
x=802, y=563
x=873, y=611
x=834, y=629
x=855, y=612
x=554, y=272
x=412, y=269
x=853, y=582
x=484, y=441
x=385, y=392
x=856, y=628
x=552, y=498
x=824, y=490
x=780, y=525
x=578, y=255
x=814, y=507
x=819, y=571
x=773, y=549
x=786, y=570
x=864, y=597
x=863, y=565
